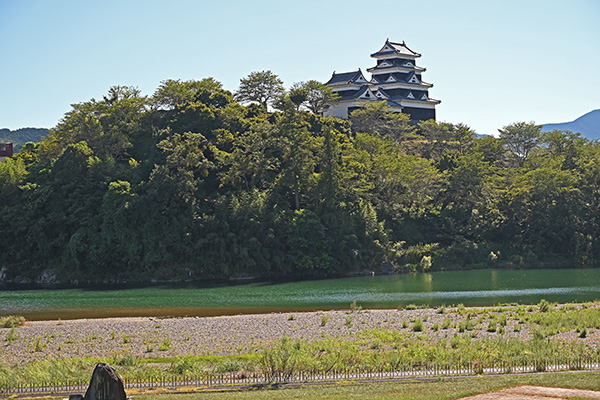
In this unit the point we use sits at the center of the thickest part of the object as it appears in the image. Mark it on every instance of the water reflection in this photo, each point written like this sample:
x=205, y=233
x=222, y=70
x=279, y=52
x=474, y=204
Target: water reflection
x=480, y=287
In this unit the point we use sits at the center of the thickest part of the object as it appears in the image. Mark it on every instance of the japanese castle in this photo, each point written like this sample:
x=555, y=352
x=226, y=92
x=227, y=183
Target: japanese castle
x=396, y=79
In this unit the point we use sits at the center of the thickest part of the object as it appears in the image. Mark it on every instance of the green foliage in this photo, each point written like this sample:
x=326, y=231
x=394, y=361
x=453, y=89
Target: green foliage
x=318, y=97
x=190, y=185
x=12, y=335
x=165, y=345
x=520, y=139
x=379, y=119
x=261, y=87
x=174, y=93
x=418, y=326
x=349, y=322
x=355, y=307
x=446, y=323
x=12, y=172
x=126, y=361
x=12, y=321
x=544, y=306
x=279, y=361
x=183, y=366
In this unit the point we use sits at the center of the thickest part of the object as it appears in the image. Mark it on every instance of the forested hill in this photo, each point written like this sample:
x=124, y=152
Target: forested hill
x=21, y=136
x=191, y=184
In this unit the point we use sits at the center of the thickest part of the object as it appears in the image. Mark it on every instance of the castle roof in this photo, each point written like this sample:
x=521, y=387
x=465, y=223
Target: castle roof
x=364, y=92
x=347, y=78
x=410, y=78
x=409, y=95
x=395, y=48
x=393, y=104
x=396, y=63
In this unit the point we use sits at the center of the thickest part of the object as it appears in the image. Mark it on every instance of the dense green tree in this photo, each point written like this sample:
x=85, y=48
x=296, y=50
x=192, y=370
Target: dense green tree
x=107, y=125
x=379, y=119
x=467, y=199
x=491, y=149
x=261, y=87
x=12, y=171
x=297, y=152
x=315, y=96
x=520, y=138
x=173, y=93
x=253, y=162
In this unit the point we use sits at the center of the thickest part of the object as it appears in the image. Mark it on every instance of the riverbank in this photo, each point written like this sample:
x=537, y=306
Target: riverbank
x=149, y=337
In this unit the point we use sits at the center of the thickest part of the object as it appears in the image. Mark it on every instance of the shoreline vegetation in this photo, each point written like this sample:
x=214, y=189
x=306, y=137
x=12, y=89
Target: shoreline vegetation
x=553, y=264
x=197, y=183
x=315, y=342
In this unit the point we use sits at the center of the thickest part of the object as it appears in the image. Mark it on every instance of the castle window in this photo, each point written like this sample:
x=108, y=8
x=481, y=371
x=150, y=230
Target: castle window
x=413, y=79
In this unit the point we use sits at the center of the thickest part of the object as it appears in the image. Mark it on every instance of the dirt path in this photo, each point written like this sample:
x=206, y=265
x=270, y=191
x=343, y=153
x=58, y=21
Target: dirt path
x=536, y=393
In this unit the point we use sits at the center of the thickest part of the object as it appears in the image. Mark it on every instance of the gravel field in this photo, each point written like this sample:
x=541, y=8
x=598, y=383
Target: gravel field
x=158, y=337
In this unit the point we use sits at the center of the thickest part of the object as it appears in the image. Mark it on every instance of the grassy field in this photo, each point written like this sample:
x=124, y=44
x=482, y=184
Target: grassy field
x=443, y=389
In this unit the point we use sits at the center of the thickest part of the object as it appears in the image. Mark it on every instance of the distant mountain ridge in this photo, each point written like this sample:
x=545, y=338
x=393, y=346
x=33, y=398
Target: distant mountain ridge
x=588, y=125
x=22, y=136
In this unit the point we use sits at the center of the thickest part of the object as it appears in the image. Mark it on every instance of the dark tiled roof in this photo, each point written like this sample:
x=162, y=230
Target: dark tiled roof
x=347, y=94
x=399, y=77
x=393, y=104
x=361, y=91
x=402, y=94
x=395, y=63
x=345, y=77
x=395, y=48
x=384, y=93
x=355, y=93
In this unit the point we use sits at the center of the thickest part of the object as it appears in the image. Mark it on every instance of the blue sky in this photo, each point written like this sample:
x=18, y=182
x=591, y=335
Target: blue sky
x=491, y=62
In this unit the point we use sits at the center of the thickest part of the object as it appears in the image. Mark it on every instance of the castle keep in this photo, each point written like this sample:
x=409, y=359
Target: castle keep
x=396, y=79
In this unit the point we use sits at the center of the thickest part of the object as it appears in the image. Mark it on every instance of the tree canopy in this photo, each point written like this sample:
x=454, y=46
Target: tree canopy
x=191, y=184
x=261, y=87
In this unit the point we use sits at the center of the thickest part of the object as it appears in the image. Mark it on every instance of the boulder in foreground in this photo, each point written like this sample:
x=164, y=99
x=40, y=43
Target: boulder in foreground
x=106, y=384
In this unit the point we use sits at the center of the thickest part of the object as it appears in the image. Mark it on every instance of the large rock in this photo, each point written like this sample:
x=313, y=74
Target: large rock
x=106, y=384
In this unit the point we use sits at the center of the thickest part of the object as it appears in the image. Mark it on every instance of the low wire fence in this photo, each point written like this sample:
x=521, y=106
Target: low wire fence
x=249, y=379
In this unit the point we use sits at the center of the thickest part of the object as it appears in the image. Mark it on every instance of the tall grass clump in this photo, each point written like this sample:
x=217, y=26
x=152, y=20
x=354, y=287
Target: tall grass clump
x=418, y=326
x=183, y=366
x=12, y=321
x=12, y=335
x=279, y=361
x=543, y=306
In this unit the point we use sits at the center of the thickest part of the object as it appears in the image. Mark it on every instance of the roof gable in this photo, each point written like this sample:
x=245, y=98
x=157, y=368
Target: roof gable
x=365, y=93
x=347, y=77
x=395, y=48
x=413, y=79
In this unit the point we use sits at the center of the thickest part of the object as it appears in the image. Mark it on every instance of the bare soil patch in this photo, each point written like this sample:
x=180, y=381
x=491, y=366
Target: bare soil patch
x=536, y=393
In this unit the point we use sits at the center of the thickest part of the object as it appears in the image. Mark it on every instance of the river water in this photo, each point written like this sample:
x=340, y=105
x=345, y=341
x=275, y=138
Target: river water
x=476, y=287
